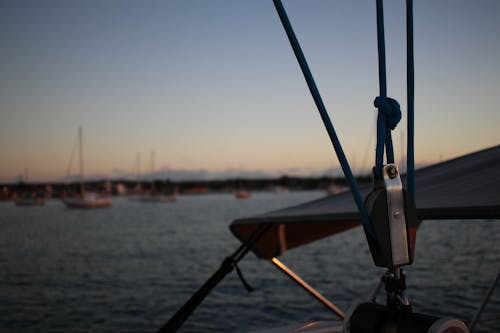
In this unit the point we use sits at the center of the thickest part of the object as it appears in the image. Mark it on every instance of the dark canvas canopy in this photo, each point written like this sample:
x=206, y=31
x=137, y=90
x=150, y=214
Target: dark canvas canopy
x=466, y=187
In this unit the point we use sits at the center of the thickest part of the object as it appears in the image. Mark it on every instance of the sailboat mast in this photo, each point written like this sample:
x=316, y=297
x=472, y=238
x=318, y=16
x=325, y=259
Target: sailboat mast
x=138, y=167
x=152, y=171
x=80, y=142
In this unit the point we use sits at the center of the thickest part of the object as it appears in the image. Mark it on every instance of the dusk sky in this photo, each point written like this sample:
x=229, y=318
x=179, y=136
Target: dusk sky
x=213, y=87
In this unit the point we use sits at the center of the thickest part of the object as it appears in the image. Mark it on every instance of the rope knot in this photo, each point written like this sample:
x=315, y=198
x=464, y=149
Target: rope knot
x=391, y=109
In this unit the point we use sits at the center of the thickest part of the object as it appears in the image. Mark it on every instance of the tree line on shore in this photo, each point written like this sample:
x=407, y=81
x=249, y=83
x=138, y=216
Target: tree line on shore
x=124, y=186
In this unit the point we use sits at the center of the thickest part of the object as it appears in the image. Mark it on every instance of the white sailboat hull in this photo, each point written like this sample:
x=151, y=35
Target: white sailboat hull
x=87, y=201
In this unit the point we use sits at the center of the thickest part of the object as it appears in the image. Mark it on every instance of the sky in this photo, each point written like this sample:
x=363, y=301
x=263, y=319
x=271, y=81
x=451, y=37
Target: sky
x=213, y=87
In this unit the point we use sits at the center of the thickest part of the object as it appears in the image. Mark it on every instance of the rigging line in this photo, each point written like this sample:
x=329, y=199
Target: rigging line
x=389, y=112
x=379, y=148
x=324, y=116
x=72, y=157
x=256, y=234
x=381, y=49
x=486, y=299
x=229, y=263
x=252, y=240
x=389, y=148
x=410, y=87
x=379, y=151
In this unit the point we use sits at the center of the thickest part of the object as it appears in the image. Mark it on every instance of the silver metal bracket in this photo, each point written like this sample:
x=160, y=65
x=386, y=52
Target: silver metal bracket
x=396, y=214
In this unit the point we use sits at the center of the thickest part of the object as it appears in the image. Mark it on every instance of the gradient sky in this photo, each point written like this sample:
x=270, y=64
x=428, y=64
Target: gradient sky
x=214, y=86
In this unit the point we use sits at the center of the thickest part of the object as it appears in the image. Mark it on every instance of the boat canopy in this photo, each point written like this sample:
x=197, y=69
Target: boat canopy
x=467, y=187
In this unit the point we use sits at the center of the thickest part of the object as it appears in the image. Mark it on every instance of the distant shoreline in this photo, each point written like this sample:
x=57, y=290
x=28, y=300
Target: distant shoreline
x=123, y=186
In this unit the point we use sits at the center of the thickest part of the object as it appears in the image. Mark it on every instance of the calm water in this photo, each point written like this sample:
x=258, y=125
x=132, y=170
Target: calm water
x=128, y=268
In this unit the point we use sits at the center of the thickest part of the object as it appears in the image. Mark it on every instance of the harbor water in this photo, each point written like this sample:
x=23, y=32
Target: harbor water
x=129, y=267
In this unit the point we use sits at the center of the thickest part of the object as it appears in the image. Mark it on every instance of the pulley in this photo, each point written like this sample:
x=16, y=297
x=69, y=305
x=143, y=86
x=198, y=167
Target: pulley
x=393, y=215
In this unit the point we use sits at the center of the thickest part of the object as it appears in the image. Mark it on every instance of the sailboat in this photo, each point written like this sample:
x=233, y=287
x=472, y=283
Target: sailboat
x=29, y=199
x=30, y=196
x=390, y=212
x=5, y=195
x=85, y=199
x=242, y=194
x=155, y=195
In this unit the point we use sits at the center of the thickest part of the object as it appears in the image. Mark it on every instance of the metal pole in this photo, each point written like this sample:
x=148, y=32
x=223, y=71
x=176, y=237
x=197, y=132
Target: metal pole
x=308, y=288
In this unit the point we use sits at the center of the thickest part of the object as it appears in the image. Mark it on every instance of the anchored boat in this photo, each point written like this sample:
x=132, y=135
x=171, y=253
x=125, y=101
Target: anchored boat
x=242, y=194
x=153, y=195
x=29, y=200
x=390, y=213
x=85, y=199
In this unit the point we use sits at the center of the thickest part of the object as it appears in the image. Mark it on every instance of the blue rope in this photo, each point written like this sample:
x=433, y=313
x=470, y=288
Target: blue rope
x=389, y=115
x=389, y=111
x=379, y=151
x=381, y=49
x=410, y=87
x=324, y=116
